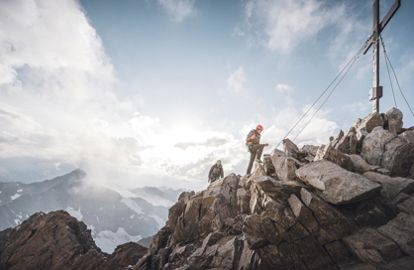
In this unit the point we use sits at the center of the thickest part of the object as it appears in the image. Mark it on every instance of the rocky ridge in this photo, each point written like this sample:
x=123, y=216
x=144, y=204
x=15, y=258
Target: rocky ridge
x=344, y=205
x=58, y=241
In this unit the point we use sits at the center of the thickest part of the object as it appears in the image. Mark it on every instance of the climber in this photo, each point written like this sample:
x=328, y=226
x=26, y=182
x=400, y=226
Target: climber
x=216, y=172
x=254, y=146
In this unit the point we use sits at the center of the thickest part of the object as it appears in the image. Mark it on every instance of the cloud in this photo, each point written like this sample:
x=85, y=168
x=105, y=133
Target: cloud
x=178, y=10
x=237, y=80
x=283, y=88
x=283, y=25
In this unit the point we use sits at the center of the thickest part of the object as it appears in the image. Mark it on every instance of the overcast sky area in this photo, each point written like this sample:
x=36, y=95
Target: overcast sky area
x=142, y=92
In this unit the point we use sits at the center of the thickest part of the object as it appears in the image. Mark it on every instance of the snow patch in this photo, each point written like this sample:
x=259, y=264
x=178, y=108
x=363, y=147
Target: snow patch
x=19, y=190
x=15, y=196
x=132, y=205
x=74, y=213
x=108, y=240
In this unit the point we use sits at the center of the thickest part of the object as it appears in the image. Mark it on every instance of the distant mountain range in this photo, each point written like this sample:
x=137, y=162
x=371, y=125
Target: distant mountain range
x=113, y=218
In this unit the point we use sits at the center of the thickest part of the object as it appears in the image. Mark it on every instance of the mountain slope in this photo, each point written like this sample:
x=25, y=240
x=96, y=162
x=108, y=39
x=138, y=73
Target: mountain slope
x=348, y=205
x=58, y=241
x=114, y=219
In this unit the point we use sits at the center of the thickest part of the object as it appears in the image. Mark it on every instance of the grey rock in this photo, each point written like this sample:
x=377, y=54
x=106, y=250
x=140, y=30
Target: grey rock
x=401, y=230
x=373, y=145
x=370, y=122
x=372, y=247
x=285, y=167
x=394, y=119
x=337, y=185
x=359, y=164
x=329, y=153
x=391, y=186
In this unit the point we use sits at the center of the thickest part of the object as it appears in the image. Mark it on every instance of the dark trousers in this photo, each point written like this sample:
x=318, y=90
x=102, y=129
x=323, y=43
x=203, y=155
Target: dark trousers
x=256, y=151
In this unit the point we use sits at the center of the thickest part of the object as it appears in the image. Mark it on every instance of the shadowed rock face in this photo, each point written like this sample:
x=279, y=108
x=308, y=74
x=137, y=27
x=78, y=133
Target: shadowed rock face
x=300, y=210
x=337, y=208
x=58, y=241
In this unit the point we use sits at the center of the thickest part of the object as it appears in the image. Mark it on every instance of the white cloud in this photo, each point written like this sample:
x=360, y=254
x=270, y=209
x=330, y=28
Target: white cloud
x=283, y=25
x=287, y=23
x=236, y=80
x=283, y=88
x=178, y=10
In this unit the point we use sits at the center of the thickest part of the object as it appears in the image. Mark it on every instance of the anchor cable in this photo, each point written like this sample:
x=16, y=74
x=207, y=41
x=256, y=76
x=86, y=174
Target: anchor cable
x=396, y=80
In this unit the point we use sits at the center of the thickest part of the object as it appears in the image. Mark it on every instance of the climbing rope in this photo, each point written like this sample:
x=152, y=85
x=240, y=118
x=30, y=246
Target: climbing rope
x=388, y=71
x=337, y=79
x=387, y=59
x=328, y=96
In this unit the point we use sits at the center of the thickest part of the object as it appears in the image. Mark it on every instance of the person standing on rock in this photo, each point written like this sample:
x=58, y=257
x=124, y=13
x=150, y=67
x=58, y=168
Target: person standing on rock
x=216, y=172
x=254, y=146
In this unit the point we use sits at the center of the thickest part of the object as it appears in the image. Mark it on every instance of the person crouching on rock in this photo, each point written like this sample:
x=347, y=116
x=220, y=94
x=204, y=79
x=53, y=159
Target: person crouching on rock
x=254, y=146
x=216, y=172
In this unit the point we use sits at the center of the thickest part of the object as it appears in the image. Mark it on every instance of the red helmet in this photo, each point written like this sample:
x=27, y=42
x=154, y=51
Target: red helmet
x=259, y=127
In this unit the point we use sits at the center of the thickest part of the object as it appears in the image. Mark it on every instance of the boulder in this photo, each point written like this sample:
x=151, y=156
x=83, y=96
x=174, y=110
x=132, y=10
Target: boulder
x=372, y=247
x=391, y=186
x=337, y=185
x=359, y=164
x=408, y=135
x=329, y=153
x=309, y=149
x=373, y=145
x=401, y=231
x=370, y=122
x=348, y=144
x=406, y=205
x=290, y=148
x=268, y=165
x=284, y=166
x=398, y=156
x=394, y=120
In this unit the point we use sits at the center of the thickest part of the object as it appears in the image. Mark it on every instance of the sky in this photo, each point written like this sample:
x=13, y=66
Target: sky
x=140, y=92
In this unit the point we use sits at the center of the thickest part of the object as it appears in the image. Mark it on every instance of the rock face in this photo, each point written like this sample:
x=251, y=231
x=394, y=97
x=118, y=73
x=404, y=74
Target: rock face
x=339, y=207
x=336, y=185
x=347, y=206
x=58, y=241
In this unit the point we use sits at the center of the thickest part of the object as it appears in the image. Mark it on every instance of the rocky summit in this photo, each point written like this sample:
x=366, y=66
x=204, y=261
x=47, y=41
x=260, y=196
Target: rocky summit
x=344, y=205
x=58, y=241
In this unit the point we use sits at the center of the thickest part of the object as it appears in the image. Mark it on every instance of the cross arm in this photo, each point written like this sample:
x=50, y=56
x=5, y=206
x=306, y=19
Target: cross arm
x=389, y=14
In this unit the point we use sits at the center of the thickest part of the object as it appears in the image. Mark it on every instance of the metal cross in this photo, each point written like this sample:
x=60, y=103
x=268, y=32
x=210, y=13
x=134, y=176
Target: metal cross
x=377, y=27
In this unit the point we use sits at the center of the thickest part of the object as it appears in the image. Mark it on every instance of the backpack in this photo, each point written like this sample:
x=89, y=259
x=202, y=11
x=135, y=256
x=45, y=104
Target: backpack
x=216, y=170
x=249, y=135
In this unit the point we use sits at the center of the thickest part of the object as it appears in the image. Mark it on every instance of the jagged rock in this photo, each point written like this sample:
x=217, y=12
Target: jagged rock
x=406, y=205
x=373, y=145
x=268, y=165
x=243, y=201
x=394, y=120
x=340, y=135
x=284, y=166
x=372, y=247
x=401, y=231
x=359, y=165
x=398, y=156
x=309, y=149
x=331, y=154
x=349, y=142
x=383, y=148
x=408, y=136
x=370, y=122
x=336, y=185
x=291, y=149
x=58, y=241
x=391, y=186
